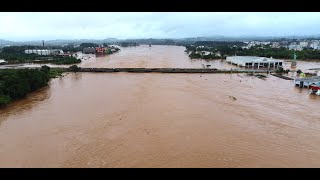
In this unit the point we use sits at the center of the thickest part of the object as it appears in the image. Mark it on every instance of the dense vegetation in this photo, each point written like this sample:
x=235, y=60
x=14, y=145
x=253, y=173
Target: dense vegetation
x=64, y=60
x=74, y=68
x=85, y=45
x=279, y=53
x=17, y=83
x=263, y=51
x=194, y=55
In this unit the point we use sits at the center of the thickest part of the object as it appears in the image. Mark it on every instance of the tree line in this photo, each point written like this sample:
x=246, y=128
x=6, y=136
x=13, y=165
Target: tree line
x=17, y=83
x=262, y=51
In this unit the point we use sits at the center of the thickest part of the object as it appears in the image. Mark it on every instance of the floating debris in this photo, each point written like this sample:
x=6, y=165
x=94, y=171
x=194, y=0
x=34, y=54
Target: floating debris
x=282, y=76
x=310, y=74
x=260, y=76
x=232, y=98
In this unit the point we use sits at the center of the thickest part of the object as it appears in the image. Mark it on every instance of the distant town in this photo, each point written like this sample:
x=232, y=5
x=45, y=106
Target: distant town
x=306, y=48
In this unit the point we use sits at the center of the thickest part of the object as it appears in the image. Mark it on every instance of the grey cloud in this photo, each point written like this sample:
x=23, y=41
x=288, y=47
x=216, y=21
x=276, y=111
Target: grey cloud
x=35, y=26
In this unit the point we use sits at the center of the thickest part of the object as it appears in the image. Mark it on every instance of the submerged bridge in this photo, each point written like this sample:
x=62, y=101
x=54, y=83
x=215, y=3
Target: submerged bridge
x=156, y=70
x=170, y=70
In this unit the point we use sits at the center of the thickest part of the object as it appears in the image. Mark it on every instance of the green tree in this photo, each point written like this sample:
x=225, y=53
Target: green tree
x=45, y=69
x=74, y=68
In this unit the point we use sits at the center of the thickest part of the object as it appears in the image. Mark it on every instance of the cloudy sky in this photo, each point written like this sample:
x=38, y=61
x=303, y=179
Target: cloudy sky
x=88, y=25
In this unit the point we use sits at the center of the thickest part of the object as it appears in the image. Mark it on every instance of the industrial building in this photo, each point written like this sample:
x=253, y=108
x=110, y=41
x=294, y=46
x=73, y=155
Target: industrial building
x=89, y=50
x=254, y=62
x=44, y=52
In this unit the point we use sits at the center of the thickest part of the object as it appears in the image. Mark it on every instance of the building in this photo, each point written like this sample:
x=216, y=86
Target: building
x=275, y=45
x=89, y=50
x=56, y=52
x=44, y=52
x=205, y=53
x=116, y=46
x=315, y=45
x=100, y=50
x=254, y=62
x=304, y=44
x=2, y=61
x=295, y=47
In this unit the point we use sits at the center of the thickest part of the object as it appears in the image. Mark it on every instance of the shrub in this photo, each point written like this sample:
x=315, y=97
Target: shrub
x=280, y=70
x=45, y=69
x=74, y=68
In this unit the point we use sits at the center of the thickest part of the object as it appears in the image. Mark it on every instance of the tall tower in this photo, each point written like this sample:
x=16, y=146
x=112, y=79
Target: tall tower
x=43, y=44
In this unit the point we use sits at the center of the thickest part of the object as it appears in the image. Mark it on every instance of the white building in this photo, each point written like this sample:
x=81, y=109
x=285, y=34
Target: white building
x=266, y=42
x=254, y=62
x=205, y=53
x=2, y=61
x=315, y=45
x=114, y=46
x=304, y=44
x=295, y=47
x=44, y=52
x=275, y=45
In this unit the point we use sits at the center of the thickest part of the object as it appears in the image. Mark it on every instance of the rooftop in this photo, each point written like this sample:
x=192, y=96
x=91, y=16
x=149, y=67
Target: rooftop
x=253, y=59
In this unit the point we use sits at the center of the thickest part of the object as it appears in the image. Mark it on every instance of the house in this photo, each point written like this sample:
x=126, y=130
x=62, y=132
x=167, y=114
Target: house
x=100, y=50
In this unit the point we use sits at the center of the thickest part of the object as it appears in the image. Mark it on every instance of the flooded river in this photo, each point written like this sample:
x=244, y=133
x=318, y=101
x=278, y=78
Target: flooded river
x=162, y=120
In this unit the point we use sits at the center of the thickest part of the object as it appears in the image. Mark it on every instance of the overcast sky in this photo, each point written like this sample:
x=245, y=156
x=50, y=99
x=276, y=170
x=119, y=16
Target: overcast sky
x=88, y=25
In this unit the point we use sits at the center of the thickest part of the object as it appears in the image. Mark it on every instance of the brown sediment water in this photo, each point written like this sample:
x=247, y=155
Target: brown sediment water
x=161, y=120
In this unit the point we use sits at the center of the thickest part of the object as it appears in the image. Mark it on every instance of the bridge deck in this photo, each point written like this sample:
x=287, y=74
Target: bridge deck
x=158, y=70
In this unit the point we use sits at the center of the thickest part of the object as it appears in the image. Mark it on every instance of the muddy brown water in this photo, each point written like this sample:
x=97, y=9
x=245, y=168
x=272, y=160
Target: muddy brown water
x=161, y=120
